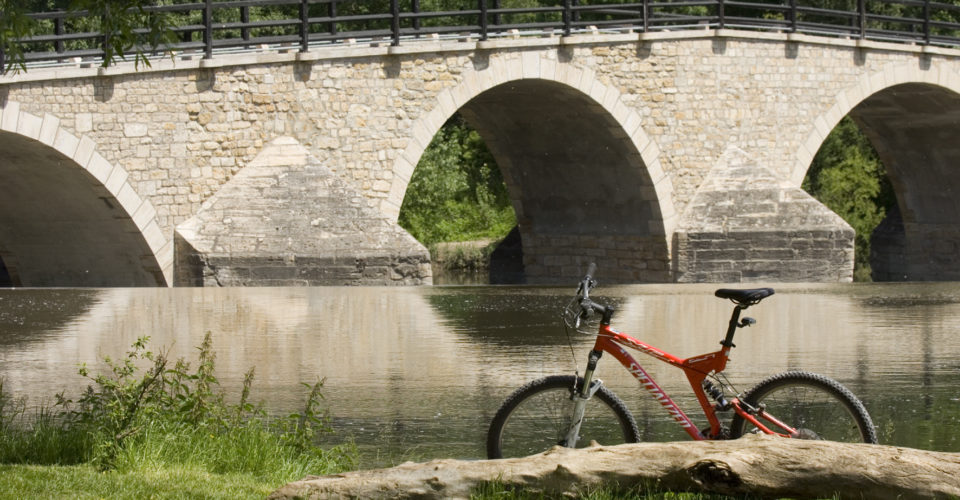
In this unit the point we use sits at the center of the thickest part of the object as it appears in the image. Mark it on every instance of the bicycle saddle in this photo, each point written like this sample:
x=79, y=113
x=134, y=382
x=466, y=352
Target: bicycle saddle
x=746, y=297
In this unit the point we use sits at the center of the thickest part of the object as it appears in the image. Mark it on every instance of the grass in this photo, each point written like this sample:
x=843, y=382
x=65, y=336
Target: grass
x=87, y=481
x=498, y=491
x=160, y=432
x=470, y=256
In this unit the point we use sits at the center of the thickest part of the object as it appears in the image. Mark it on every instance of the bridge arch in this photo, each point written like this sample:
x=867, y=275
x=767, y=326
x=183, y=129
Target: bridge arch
x=562, y=212
x=911, y=115
x=69, y=217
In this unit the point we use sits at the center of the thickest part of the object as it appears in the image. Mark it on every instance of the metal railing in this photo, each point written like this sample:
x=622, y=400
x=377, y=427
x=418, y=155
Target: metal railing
x=228, y=25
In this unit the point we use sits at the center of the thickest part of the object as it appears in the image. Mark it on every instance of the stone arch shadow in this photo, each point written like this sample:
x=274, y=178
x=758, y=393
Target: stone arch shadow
x=911, y=114
x=70, y=217
x=585, y=180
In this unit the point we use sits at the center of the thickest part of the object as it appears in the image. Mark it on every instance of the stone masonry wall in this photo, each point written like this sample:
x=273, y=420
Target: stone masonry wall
x=745, y=226
x=182, y=129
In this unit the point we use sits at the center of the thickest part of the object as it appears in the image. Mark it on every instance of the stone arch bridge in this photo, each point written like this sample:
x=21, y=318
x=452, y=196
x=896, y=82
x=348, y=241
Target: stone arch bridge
x=662, y=156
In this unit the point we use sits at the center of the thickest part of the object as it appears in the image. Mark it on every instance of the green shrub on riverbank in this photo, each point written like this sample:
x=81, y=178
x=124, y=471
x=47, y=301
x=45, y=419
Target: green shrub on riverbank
x=163, y=423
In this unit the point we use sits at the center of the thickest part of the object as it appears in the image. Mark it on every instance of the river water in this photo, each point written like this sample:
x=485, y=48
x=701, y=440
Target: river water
x=417, y=373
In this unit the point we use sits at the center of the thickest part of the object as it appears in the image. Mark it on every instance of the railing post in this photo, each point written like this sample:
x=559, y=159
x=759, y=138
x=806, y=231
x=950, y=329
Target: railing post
x=58, y=30
x=926, y=22
x=304, y=25
x=208, y=29
x=395, y=21
x=332, y=11
x=793, y=16
x=721, y=17
x=646, y=16
x=483, y=20
x=566, y=17
x=416, y=19
x=862, y=14
x=3, y=61
x=106, y=34
x=245, y=19
x=496, y=17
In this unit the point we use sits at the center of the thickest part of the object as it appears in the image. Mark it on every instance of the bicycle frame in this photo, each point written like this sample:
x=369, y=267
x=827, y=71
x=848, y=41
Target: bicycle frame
x=696, y=368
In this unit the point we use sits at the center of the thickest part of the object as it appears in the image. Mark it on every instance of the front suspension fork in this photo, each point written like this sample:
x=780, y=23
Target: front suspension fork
x=580, y=396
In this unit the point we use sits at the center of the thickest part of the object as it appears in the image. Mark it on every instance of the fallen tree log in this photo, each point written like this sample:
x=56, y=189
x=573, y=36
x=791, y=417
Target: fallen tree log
x=754, y=465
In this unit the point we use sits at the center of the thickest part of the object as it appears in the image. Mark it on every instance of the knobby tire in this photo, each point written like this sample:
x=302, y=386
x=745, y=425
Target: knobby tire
x=536, y=417
x=818, y=406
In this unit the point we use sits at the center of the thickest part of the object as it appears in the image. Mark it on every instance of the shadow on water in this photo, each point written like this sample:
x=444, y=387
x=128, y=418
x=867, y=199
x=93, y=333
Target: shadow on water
x=499, y=317
x=32, y=315
x=505, y=267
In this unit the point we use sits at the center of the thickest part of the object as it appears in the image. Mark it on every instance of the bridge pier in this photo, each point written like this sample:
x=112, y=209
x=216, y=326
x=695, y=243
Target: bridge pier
x=557, y=258
x=914, y=251
x=744, y=225
x=286, y=220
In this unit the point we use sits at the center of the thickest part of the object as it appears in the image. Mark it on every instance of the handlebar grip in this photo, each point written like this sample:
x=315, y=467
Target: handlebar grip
x=591, y=269
x=588, y=308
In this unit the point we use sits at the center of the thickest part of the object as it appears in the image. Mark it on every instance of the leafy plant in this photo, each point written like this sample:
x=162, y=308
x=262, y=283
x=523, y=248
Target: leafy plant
x=112, y=407
x=119, y=22
x=143, y=415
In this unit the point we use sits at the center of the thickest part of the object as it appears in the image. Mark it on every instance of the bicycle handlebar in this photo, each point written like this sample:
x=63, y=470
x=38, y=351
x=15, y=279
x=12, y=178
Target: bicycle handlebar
x=592, y=268
x=588, y=282
x=587, y=306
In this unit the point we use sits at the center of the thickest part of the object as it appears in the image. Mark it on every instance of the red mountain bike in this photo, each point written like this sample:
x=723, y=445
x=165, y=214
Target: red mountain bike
x=572, y=411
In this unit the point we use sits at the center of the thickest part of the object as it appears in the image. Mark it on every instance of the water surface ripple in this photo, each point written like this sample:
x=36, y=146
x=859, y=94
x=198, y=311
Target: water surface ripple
x=417, y=373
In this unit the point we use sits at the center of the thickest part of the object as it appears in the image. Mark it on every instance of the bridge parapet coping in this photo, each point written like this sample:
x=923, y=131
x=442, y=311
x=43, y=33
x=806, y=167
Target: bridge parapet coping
x=190, y=61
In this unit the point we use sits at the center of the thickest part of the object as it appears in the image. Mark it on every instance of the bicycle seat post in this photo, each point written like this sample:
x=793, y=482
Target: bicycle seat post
x=743, y=299
x=732, y=327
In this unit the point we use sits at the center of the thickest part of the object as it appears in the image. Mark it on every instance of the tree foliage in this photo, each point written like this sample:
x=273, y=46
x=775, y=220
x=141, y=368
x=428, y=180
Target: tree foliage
x=14, y=24
x=848, y=178
x=456, y=192
x=125, y=28
x=118, y=21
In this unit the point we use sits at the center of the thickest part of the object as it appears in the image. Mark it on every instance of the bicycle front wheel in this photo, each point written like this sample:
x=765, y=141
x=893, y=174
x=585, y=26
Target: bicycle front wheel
x=537, y=417
x=816, y=406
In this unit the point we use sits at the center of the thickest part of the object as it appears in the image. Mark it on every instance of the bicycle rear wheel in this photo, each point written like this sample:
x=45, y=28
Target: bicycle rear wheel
x=537, y=416
x=816, y=406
